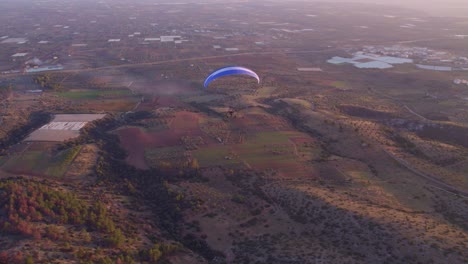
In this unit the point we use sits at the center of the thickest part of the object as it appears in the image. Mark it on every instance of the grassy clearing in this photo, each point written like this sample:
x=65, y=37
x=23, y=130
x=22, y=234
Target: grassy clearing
x=297, y=103
x=40, y=162
x=167, y=153
x=263, y=148
x=267, y=147
x=58, y=164
x=449, y=103
x=255, y=111
x=205, y=98
x=111, y=104
x=340, y=85
x=265, y=91
x=214, y=156
x=274, y=137
x=32, y=161
x=3, y=159
x=359, y=175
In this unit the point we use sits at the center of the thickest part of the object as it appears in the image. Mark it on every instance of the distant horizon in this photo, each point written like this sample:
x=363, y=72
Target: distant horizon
x=435, y=7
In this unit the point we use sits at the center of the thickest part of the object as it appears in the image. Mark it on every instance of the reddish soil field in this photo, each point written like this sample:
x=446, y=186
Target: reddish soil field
x=301, y=140
x=135, y=140
x=41, y=146
x=110, y=105
x=168, y=88
x=18, y=148
x=153, y=102
x=186, y=121
x=168, y=101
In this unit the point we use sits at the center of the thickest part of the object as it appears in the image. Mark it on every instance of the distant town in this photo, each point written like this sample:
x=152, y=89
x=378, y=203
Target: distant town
x=383, y=57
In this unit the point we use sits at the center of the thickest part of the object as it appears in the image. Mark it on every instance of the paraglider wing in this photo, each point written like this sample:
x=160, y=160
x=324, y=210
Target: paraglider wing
x=230, y=71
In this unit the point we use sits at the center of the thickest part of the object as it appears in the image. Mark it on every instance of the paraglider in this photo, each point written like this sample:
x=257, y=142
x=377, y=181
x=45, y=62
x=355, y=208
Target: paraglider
x=230, y=71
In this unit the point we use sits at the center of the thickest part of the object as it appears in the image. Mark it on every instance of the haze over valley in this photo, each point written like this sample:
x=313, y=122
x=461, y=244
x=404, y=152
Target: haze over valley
x=233, y=132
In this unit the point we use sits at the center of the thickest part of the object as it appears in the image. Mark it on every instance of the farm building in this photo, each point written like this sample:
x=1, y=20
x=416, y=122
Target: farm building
x=19, y=54
x=169, y=38
x=45, y=68
x=14, y=40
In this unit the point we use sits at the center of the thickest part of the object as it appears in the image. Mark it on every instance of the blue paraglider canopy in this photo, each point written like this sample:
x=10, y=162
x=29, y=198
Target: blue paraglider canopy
x=230, y=71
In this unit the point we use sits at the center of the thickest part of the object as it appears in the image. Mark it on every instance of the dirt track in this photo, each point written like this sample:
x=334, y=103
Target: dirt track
x=282, y=51
x=434, y=181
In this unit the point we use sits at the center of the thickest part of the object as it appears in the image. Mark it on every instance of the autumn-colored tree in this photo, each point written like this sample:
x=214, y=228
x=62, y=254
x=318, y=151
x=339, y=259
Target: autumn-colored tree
x=116, y=239
x=194, y=164
x=17, y=257
x=4, y=257
x=29, y=260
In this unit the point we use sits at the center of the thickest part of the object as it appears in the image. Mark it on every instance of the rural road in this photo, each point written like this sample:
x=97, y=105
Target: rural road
x=414, y=113
x=281, y=51
x=433, y=180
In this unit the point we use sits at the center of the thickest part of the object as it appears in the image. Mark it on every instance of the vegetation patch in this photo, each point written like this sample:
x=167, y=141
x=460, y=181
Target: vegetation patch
x=41, y=162
x=215, y=156
x=93, y=94
x=365, y=112
x=60, y=162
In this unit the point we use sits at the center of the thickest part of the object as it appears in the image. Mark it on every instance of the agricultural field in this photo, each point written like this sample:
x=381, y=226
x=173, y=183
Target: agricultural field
x=93, y=94
x=319, y=158
x=44, y=163
x=113, y=151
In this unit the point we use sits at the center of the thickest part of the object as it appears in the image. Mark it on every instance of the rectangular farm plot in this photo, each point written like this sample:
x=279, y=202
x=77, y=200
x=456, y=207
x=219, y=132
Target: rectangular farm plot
x=52, y=135
x=272, y=147
x=215, y=156
x=282, y=151
x=157, y=156
x=29, y=161
x=93, y=94
x=63, y=127
x=42, y=162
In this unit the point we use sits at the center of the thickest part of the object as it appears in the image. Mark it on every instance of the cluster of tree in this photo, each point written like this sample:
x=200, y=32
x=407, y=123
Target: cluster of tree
x=201, y=247
x=5, y=91
x=15, y=257
x=150, y=255
x=36, y=120
x=46, y=81
x=26, y=201
x=407, y=145
x=151, y=185
x=158, y=250
x=136, y=116
x=293, y=115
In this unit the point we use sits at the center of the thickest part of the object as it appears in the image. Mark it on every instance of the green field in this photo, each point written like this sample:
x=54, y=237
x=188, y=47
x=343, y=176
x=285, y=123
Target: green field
x=204, y=98
x=267, y=147
x=58, y=164
x=301, y=104
x=153, y=156
x=93, y=94
x=266, y=91
x=274, y=137
x=39, y=162
x=340, y=85
x=214, y=156
x=3, y=159
x=30, y=161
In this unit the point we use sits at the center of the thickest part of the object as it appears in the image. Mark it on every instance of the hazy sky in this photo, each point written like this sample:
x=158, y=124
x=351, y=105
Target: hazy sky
x=434, y=7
